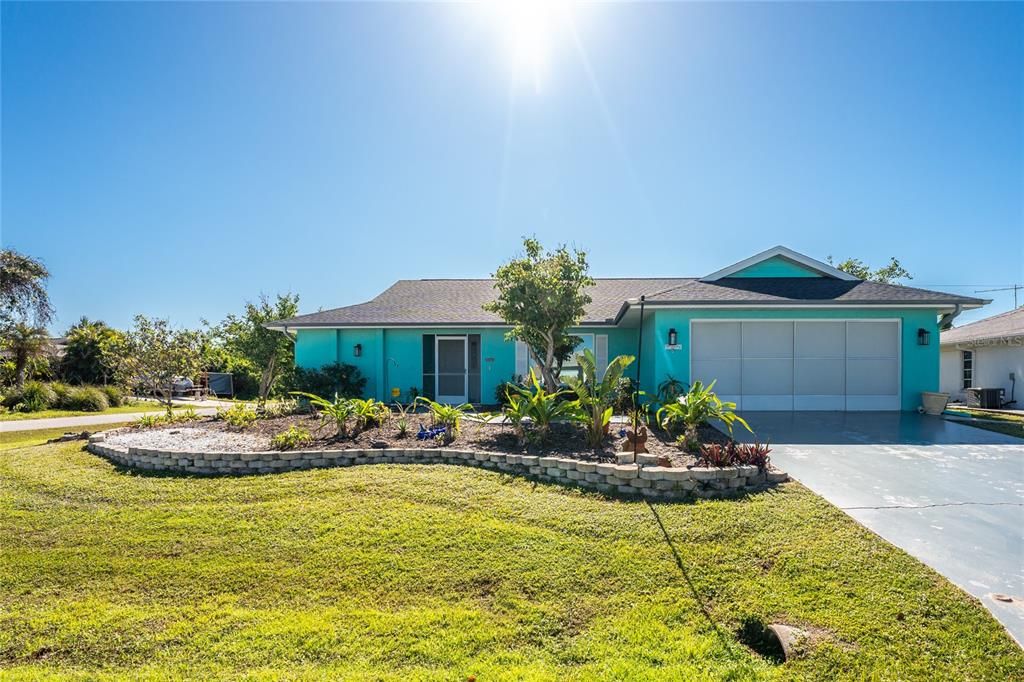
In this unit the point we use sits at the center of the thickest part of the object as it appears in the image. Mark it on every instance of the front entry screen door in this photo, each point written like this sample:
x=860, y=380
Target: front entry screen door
x=452, y=377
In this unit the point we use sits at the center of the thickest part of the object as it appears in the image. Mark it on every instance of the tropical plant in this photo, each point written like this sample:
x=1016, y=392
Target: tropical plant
x=292, y=438
x=32, y=397
x=89, y=355
x=369, y=412
x=238, y=416
x=717, y=455
x=337, y=411
x=246, y=335
x=753, y=454
x=26, y=343
x=187, y=415
x=670, y=389
x=539, y=407
x=595, y=397
x=23, y=297
x=541, y=296
x=448, y=416
x=153, y=355
x=697, y=406
x=402, y=423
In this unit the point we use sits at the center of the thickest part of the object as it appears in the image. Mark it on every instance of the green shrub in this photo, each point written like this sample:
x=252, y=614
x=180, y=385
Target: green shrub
x=36, y=396
x=62, y=394
x=115, y=397
x=503, y=389
x=695, y=407
x=369, y=413
x=343, y=380
x=337, y=411
x=87, y=399
x=239, y=416
x=292, y=438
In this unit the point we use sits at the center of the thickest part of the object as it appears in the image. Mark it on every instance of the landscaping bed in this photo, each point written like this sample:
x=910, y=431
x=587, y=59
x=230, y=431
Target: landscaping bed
x=564, y=440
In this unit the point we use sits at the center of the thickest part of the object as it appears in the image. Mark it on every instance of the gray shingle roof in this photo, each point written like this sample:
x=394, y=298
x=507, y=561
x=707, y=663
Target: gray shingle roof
x=997, y=326
x=426, y=302
x=796, y=290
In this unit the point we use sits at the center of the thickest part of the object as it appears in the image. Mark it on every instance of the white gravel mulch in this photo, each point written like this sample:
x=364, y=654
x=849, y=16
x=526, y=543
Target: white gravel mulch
x=190, y=439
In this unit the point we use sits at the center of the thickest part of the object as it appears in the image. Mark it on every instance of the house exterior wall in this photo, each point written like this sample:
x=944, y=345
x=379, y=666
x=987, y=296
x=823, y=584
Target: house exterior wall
x=776, y=267
x=992, y=368
x=393, y=358
x=919, y=364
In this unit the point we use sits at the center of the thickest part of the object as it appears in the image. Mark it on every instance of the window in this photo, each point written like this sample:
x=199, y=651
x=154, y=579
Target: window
x=570, y=367
x=967, y=365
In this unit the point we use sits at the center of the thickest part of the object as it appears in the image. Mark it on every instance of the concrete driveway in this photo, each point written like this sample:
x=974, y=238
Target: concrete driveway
x=949, y=494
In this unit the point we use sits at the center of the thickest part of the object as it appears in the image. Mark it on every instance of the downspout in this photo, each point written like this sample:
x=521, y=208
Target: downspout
x=946, y=321
x=636, y=393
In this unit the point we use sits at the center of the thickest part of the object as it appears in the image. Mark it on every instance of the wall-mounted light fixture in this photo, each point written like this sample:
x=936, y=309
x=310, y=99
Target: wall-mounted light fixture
x=673, y=337
x=357, y=350
x=923, y=337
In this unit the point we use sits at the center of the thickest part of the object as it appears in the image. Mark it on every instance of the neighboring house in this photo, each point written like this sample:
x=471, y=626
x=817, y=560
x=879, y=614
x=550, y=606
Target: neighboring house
x=988, y=353
x=777, y=331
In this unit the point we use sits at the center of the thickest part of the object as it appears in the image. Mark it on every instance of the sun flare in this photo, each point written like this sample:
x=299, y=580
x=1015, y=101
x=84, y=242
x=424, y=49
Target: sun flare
x=529, y=29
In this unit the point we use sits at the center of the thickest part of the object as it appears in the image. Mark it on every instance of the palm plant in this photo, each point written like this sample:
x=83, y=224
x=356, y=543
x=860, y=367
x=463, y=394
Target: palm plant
x=337, y=411
x=595, y=398
x=368, y=412
x=539, y=405
x=448, y=416
x=26, y=343
x=698, y=405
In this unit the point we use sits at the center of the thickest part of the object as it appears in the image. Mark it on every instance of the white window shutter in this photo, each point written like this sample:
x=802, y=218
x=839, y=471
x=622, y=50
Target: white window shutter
x=601, y=354
x=522, y=359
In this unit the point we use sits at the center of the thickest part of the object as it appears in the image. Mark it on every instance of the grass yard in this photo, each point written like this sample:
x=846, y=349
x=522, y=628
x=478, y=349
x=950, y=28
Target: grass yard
x=1010, y=424
x=141, y=406
x=395, y=572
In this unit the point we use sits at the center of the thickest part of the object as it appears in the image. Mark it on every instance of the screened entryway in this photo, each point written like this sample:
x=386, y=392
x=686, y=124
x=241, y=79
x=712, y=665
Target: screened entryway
x=841, y=365
x=451, y=367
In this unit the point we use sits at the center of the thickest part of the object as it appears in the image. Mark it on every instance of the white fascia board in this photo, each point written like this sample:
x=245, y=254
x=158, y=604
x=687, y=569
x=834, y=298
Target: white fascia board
x=790, y=254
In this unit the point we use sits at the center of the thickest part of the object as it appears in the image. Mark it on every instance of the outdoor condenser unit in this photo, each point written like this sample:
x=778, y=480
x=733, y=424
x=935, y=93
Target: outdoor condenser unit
x=988, y=398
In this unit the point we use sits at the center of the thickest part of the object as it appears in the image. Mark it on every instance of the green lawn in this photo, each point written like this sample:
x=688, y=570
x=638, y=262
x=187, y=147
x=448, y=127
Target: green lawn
x=142, y=406
x=1010, y=424
x=432, y=572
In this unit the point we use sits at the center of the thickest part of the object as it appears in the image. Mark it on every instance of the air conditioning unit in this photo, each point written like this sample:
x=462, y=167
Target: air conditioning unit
x=987, y=398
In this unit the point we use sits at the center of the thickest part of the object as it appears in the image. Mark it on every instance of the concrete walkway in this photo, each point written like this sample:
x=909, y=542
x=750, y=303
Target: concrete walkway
x=949, y=494
x=85, y=422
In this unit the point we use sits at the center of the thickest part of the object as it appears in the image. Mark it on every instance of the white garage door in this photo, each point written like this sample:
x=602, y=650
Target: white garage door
x=800, y=364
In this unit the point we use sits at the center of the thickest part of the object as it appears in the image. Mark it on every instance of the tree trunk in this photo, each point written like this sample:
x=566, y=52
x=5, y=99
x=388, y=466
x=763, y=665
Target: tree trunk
x=20, y=364
x=267, y=378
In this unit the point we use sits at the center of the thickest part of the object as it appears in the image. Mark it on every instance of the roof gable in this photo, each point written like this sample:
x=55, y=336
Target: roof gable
x=779, y=262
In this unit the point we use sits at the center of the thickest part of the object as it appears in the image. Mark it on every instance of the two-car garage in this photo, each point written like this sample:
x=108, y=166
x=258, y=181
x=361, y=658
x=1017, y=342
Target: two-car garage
x=840, y=365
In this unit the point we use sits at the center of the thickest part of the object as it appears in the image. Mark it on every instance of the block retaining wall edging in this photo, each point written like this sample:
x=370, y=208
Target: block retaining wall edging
x=656, y=482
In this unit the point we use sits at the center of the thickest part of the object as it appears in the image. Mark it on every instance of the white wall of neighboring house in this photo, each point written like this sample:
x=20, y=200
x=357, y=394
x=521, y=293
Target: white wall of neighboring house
x=992, y=367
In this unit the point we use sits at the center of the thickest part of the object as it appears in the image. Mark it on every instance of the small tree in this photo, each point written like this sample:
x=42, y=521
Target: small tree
x=888, y=274
x=152, y=355
x=246, y=336
x=542, y=296
x=26, y=343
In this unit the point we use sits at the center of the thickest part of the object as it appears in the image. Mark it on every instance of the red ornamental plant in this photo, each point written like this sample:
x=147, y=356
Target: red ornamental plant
x=716, y=455
x=753, y=454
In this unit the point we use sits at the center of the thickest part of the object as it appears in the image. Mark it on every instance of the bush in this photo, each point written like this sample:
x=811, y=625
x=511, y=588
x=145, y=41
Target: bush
x=115, y=397
x=503, y=389
x=36, y=396
x=238, y=416
x=87, y=399
x=344, y=380
x=62, y=394
x=292, y=438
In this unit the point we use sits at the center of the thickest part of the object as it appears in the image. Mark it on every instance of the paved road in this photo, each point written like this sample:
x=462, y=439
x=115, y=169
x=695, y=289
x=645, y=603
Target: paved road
x=949, y=494
x=82, y=423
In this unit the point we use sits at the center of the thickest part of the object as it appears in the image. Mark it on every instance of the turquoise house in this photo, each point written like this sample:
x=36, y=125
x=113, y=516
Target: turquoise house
x=777, y=331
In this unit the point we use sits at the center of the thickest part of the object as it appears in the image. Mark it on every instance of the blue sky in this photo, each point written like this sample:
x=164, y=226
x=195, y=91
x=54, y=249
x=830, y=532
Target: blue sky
x=178, y=159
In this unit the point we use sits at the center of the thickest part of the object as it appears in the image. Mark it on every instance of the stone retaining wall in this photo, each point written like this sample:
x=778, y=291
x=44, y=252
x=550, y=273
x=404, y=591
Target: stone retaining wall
x=665, y=483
